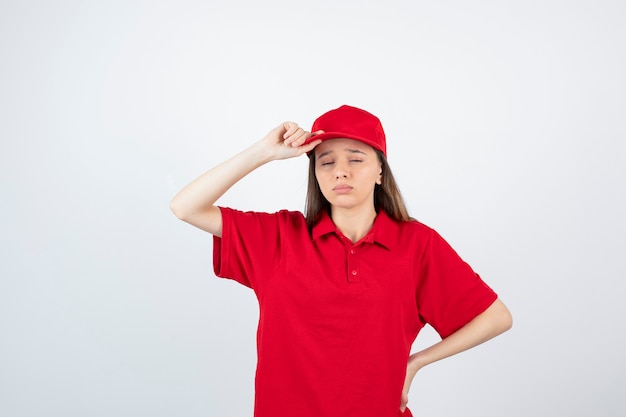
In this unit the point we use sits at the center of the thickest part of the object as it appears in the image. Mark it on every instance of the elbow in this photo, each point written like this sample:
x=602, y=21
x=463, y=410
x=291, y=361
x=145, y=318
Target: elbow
x=505, y=318
x=508, y=321
x=498, y=318
x=177, y=209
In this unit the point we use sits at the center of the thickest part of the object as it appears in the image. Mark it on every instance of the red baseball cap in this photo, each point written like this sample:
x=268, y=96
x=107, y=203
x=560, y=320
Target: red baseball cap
x=350, y=123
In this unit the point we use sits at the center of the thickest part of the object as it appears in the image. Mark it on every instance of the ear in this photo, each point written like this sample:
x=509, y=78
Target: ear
x=379, y=180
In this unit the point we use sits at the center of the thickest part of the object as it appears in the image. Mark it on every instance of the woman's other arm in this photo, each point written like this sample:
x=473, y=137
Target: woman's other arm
x=195, y=204
x=495, y=320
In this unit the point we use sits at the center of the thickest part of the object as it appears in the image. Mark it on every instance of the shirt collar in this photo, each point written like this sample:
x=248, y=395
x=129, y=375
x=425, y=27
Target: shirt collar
x=384, y=231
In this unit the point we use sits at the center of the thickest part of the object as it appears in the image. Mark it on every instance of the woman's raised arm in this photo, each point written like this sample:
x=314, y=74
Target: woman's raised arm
x=195, y=204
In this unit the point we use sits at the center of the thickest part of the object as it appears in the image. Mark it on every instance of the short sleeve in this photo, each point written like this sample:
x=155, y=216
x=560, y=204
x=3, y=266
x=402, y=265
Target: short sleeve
x=449, y=293
x=249, y=249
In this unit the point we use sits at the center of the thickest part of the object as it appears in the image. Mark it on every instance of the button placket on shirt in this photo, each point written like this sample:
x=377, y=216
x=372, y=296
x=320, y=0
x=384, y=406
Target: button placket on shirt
x=353, y=265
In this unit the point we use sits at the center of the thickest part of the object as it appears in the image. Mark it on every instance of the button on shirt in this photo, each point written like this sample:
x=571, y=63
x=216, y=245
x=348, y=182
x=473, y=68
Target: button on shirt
x=337, y=318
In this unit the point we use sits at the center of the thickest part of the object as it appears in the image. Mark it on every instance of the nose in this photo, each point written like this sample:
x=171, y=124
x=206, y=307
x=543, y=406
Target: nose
x=341, y=170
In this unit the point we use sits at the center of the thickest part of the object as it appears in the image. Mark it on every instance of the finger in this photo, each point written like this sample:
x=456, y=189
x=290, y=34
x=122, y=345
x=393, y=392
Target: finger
x=317, y=132
x=404, y=400
x=290, y=129
x=299, y=137
x=309, y=146
x=293, y=134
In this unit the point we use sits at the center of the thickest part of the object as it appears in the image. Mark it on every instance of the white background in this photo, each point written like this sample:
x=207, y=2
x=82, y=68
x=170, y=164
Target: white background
x=506, y=130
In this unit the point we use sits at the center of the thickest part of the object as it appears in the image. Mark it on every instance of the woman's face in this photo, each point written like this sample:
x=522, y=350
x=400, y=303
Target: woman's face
x=347, y=172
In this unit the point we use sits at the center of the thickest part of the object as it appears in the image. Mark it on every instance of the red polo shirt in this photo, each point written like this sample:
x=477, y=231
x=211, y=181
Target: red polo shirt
x=337, y=319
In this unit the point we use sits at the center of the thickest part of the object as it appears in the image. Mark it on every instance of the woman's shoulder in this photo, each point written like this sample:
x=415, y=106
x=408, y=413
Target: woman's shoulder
x=413, y=226
x=407, y=233
x=282, y=216
x=291, y=216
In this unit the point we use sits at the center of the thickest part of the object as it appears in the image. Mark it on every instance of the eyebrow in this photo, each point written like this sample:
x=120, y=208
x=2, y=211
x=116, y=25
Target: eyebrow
x=348, y=149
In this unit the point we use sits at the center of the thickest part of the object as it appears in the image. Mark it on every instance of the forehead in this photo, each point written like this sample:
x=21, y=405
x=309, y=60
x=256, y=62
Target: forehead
x=342, y=145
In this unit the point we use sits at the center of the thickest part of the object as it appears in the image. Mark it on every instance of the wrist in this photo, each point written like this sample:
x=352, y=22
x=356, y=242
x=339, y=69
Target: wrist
x=416, y=362
x=259, y=154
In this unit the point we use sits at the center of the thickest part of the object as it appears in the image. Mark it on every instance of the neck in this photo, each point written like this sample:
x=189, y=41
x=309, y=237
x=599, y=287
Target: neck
x=354, y=225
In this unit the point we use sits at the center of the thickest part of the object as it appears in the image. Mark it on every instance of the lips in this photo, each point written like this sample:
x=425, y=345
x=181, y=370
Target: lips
x=342, y=189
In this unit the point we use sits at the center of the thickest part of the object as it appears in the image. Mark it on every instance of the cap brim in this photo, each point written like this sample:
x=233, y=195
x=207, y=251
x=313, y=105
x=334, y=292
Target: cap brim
x=340, y=135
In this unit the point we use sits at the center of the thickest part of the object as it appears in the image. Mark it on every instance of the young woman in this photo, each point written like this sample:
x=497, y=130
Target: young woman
x=345, y=288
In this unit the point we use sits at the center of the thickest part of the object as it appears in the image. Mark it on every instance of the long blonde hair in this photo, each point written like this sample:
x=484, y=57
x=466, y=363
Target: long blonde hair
x=387, y=196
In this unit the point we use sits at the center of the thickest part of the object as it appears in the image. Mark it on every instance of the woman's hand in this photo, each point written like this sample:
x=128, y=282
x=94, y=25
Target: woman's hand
x=286, y=141
x=490, y=323
x=195, y=204
x=411, y=370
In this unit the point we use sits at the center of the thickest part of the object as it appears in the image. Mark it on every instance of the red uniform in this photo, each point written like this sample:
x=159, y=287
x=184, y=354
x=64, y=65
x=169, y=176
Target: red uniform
x=338, y=318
